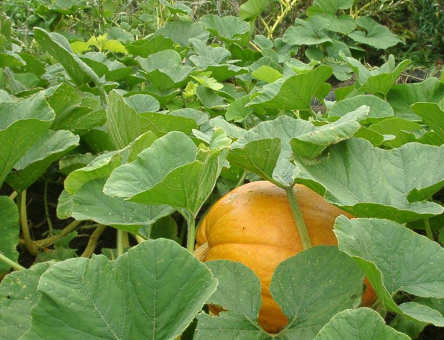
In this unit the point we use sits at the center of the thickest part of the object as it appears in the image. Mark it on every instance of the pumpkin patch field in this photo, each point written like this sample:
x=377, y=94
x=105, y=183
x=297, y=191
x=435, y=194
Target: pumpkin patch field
x=176, y=175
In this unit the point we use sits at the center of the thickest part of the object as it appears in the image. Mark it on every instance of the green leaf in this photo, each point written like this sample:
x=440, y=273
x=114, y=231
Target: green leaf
x=266, y=149
x=237, y=111
x=90, y=203
x=305, y=33
x=329, y=6
x=310, y=287
x=377, y=36
x=395, y=258
x=267, y=74
x=125, y=124
x=183, y=175
x=128, y=298
x=9, y=229
x=151, y=44
x=182, y=31
x=207, y=55
x=341, y=24
x=371, y=182
x=293, y=92
x=379, y=109
x=432, y=115
x=401, y=130
x=402, y=96
x=59, y=48
x=143, y=103
x=226, y=28
x=380, y=80
x=313, y=143
x=74, y=111
x=18, y=295
x=30, y=117
x=252, y=8
x=361, y=323
x=165, y=70
x=33, y=164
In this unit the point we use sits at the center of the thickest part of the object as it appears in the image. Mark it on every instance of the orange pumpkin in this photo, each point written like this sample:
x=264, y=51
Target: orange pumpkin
x=253, y=224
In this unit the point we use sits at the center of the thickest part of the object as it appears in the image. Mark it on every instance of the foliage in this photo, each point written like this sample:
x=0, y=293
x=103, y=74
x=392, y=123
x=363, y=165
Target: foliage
x=136, y=122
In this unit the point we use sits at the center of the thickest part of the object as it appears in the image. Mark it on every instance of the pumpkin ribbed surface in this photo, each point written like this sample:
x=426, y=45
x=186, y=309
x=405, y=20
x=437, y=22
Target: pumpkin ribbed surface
x=253, y=224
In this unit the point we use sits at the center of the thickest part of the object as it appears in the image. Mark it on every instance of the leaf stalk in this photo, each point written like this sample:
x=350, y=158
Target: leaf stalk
x=298, y=219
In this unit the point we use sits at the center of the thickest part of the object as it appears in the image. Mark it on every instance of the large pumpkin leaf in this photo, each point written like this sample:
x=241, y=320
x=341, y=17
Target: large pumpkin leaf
x=18, y=294
x=182, y=31
x=361, y=323
x=433, y=116
x=102, y=165
x=379, y=109
x=48, y=149
x=402, y=96
x=310, y=287
x=305, y=33
x=183, y=176
x=125, y=124
x=164, y=69
x=395, y=258
x=293, y=92
x=252, y=8
x=57, y=45
x=377, y=35
x=9, y=229
x=149, y=45
x=371, y=182
x=29, y=117
x=226, y=28
x=379, y=80
x=90, y=203
x=152, y=291
x=329, y=6
x=266, y=149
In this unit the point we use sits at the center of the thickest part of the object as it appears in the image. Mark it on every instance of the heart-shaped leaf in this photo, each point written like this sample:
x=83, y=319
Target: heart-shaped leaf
x=226, y=28
x=402, y=96
x=371, y=182
x=433, y=116
x=57, y=45
x=90, y=203
x=157, y=286
x=18, y=295
x=384, y=250
x=30, y=117
x=293, y=92
x=182, y=176
x=266, y=149
x=48, y=149
x=361, y=323
x=377, y=36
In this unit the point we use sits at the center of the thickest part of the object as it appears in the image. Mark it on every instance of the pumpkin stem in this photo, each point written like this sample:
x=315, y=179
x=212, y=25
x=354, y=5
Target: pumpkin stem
x=191, y=232
x=201, y=252
x=298, y=219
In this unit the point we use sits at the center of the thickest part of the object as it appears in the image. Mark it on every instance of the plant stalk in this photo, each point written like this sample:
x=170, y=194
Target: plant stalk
x=29, y=243
x=92, y=242
x=120, y=242
x=65, y=231
x=13, y=195
x=45, y=203
x=10, y=263
x=191, y=233
x=298, y=219
x=428, y=229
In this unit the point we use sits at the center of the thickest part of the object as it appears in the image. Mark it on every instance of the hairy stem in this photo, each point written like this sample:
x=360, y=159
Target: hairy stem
x=428, y=229
x=191, y=234
x=298, y=219
x=92, y=242
x=30, y=246
x=120, y=242
x=65, y=231
x=13, y=195
x=45, y=203
x=10, y=263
